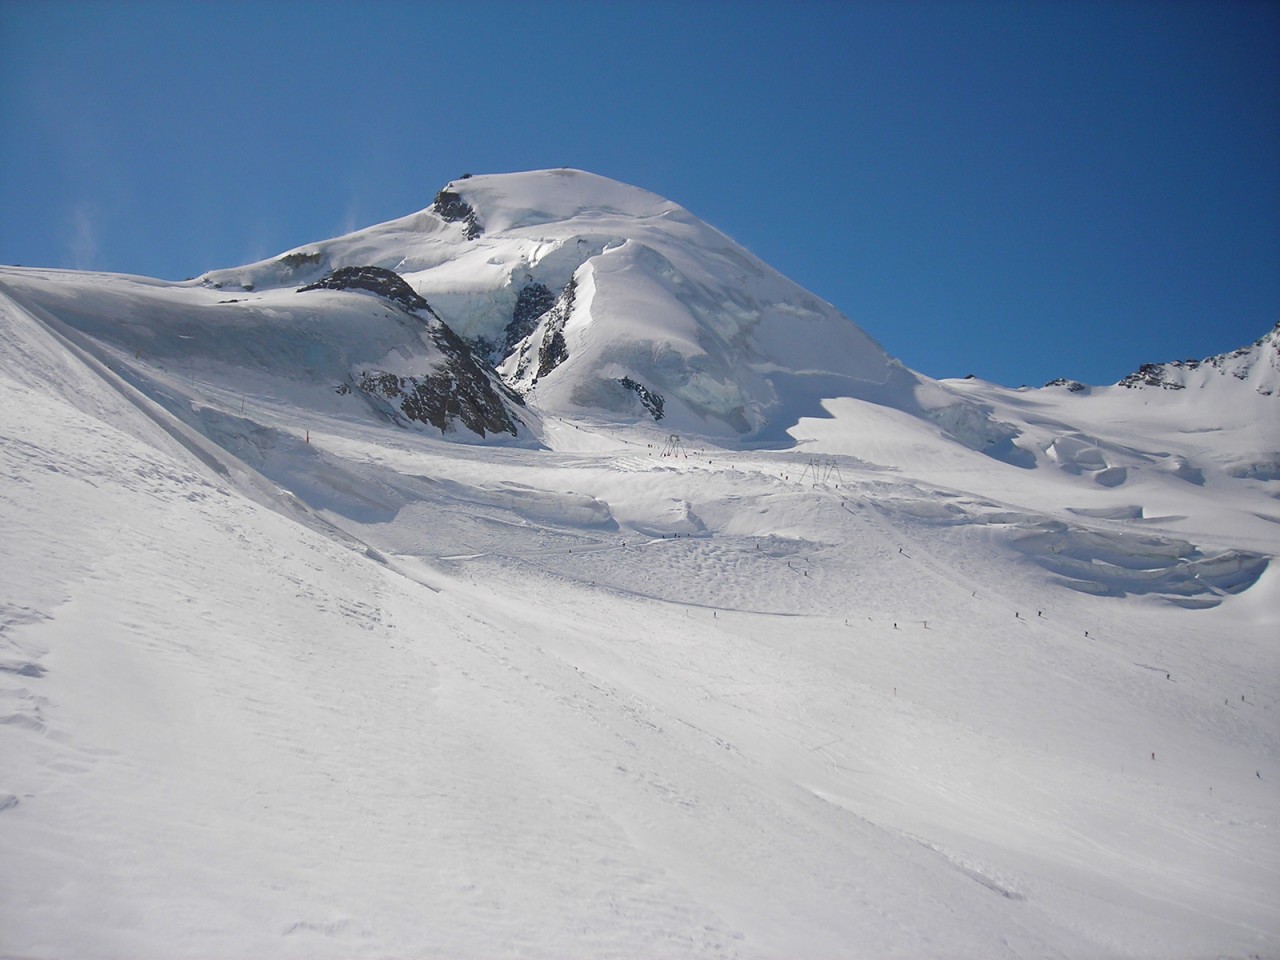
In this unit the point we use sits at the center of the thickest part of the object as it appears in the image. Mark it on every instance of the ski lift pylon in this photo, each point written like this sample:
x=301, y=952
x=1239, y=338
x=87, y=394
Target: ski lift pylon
x=674, y=447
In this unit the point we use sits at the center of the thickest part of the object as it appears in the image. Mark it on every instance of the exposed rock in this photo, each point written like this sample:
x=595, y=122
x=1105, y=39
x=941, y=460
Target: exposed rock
x=451, y=208
x=456, y=391
x=296, y=260
x=385, y=283
x=554, y=350
x=651, y=400
x=535, y=356
x=460, y=388
x=1259, y=361
x=1075, y=386
x=1155, y=375
x=531, y=303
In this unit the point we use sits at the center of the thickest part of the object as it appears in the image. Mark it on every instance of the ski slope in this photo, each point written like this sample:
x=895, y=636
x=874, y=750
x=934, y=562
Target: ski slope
x=281, y=678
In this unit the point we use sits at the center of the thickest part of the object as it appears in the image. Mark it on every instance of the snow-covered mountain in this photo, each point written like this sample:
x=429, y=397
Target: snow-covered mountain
x=593, y=296
x=542, y=575
x=1257, y=364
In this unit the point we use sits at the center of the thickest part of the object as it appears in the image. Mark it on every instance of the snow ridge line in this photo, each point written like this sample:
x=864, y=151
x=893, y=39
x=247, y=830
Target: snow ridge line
x=243, y=478
x=79, y=346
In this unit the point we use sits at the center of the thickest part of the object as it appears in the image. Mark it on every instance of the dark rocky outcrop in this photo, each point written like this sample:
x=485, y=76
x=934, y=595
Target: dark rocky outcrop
x=1156, y=375
x=1075, y=386
x=383, y=282
x=451, y=394
x=1263, y=353
x=451, y=208
x=295, y=260
x=534, y=300
x=554, y=349
x=459, y=387
x=531, y=303
x=651, y=400
x=462, y=388
x=536, y=357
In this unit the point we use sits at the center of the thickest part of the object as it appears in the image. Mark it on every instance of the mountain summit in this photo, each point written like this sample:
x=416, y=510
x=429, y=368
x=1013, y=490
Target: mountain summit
x=1257, y=364
x=591, y=296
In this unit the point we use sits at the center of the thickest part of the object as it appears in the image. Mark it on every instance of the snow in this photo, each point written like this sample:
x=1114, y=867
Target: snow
x=279, y=678
x=667, y=300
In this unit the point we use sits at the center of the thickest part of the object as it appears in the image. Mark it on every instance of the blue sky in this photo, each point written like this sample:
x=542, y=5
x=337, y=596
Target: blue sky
x=1015, y=190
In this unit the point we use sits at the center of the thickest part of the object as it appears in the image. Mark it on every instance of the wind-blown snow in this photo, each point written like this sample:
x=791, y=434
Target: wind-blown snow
x=281, y=678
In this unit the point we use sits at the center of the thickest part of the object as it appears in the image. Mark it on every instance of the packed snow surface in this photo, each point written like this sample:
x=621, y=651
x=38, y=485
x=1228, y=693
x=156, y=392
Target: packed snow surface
x=944, y=670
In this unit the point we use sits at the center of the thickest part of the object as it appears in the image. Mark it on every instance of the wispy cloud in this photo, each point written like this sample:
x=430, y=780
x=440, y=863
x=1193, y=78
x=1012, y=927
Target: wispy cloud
x=83, y=245
x=350, y=221
x=352, y=217
x=261, y=243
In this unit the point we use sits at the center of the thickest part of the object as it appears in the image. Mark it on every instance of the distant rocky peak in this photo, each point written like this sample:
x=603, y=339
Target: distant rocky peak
x=1258, y=363
x=1073, y=386
x=1158, y=375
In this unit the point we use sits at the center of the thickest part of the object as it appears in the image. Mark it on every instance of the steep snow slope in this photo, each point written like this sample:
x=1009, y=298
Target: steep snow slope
x=281, y=677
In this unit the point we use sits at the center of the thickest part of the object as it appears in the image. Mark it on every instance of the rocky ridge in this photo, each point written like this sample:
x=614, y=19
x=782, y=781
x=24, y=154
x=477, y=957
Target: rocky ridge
x=460, y=389
x=1259, y=362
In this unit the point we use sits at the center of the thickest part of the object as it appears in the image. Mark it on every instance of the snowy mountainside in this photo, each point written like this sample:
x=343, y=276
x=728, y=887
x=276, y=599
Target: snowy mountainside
x=1122, y=491
x=355, y=334
x=642, y=299
x=285, y=672
x=1257, y=364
